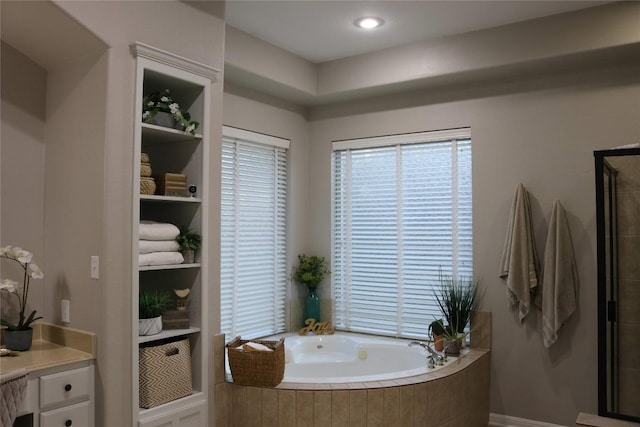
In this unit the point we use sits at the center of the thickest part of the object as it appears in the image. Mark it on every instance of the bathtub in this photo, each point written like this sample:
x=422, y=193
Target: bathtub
x=347, y=357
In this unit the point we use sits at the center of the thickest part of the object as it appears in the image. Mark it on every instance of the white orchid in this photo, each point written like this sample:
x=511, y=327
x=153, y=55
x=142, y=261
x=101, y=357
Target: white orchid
x=162, y=101
x=31, y=271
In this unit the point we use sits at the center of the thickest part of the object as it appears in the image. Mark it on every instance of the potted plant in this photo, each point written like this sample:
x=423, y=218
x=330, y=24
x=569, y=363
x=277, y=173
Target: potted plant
x=151, y=305
x=457, y=299
x=311, y=270
x=19, y=335
x=160, y=108
x=189, y=242
x=437, y=333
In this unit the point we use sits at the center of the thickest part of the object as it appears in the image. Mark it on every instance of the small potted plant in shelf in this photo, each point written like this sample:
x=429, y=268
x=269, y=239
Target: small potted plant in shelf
x=19, y=335
x=310, y=271
x=160, y=108
x=457, y=299
x=151, y=305
x=189, y=242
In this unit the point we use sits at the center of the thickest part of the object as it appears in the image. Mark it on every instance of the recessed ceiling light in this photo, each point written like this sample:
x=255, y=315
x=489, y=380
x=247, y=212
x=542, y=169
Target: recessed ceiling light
x=368, y=22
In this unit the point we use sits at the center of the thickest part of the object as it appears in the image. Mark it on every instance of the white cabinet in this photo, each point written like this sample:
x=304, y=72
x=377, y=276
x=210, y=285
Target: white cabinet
x=64, y=387
x=188, y=416
x=62, y=396
x=186, y=154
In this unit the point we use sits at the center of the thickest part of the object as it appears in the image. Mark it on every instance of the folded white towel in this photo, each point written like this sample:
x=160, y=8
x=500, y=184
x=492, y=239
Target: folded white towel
x=160, y=258
x=255, y=346
x=519, y=263
x=151, y=230
x=148, y=246
x=560, y=278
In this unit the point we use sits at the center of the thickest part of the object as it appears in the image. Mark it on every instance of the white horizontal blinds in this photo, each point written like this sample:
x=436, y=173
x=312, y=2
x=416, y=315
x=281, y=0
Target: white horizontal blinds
x=402, y=213
x=253, y=235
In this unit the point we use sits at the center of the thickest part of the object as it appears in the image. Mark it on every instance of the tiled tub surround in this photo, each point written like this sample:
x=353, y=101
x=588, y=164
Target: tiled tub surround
x=455, y=395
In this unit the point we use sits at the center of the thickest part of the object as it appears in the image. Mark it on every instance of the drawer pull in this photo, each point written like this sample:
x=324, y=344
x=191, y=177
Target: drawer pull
x=67, y=388
x=68, y=423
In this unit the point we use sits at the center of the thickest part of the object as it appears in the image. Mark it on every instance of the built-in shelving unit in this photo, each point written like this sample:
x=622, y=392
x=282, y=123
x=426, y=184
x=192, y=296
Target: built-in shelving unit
x=173, y=151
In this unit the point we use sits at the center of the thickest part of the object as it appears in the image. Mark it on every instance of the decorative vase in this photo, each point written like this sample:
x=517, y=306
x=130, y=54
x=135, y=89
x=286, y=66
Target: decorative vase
x=18, y=340
x=311, y=306
x=151, y=326
x=189, y=257
x=452, y=347
x=438, y=342
x=164, y=119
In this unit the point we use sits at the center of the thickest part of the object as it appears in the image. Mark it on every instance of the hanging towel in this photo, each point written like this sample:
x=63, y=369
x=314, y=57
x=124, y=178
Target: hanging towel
x=560, y=277
x=519, y=264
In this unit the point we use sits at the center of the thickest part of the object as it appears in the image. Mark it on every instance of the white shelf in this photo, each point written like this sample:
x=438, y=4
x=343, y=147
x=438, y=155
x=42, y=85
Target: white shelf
x=161, y=134
x=169, y=199
x=167, y=333
x=167, y=267
x=173, y=151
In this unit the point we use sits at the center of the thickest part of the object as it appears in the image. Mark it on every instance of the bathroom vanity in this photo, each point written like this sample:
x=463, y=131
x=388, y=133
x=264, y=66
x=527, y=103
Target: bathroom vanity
x=60, y=389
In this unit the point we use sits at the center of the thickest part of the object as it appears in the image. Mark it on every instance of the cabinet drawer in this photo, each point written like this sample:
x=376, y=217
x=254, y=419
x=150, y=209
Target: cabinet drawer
x=68, y=416
x=64, y=387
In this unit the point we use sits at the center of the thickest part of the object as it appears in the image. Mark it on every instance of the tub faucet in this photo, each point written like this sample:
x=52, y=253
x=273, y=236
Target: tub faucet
x=425, y=346
x=434, y=357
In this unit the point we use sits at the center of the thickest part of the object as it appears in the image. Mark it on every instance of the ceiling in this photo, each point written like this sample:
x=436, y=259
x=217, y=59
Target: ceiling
x=323, y=30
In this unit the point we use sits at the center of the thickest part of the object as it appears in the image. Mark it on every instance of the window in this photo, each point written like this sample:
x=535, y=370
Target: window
x=253, y=247
x=401, y=215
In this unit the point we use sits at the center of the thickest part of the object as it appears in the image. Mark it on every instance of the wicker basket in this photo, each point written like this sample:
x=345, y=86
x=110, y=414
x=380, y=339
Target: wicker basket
x=145, y=169
x=165, y=373
x=144, y=158
x=147, y=185
x=256, y=368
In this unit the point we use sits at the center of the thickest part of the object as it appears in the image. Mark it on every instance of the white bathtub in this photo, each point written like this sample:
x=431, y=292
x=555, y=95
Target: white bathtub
x=348, y=358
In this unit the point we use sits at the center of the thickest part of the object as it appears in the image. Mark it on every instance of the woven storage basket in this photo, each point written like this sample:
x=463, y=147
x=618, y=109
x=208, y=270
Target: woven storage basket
x=165, y=373
x=145, y=169
x=144, y=158
x=256, y=368
x=147, y=185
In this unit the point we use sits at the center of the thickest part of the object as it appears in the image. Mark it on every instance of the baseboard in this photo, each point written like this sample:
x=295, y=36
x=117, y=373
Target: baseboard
x=499, y=420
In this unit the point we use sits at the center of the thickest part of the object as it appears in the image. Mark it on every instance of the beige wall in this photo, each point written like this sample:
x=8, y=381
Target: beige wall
x=22, y=148
x=542, y=134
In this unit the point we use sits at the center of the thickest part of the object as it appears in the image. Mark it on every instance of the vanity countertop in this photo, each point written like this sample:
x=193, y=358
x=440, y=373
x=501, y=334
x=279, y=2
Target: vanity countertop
x=52, y=346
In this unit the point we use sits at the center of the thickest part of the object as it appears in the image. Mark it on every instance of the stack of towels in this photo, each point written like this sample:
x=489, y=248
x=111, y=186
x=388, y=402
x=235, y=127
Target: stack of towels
x=157, y=245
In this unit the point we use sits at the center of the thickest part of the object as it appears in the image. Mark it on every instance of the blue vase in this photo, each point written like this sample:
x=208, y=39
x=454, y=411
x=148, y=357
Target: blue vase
x=311, y=306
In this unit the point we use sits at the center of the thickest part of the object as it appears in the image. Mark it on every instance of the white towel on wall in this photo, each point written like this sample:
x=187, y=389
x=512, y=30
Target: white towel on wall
x=160, y=258
x=151, y=230
x=519, y=263
x=560, y=277
x=148, y=246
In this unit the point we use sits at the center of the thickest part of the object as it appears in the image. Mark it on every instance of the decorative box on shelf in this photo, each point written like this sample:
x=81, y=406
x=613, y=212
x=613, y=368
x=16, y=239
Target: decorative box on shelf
x=175, y=319
x=172, y=184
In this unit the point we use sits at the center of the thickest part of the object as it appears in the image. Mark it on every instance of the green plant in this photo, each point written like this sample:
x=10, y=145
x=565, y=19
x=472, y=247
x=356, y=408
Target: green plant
x=161, y=101
x=311, y=270
x=152, y=304
x=457, y=299
x=30, y=271
x=189, y=240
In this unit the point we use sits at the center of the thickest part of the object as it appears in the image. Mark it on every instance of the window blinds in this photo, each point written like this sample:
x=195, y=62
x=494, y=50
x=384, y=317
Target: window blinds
x=253, y=234
x=401, y=214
